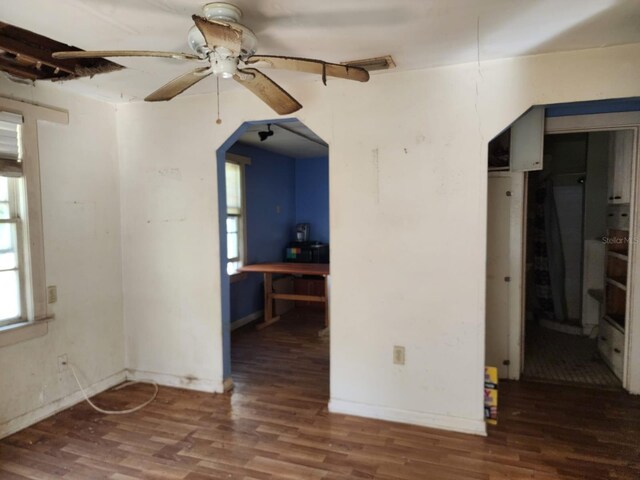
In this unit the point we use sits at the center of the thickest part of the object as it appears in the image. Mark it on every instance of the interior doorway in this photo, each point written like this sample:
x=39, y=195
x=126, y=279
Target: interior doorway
x=561, y=227
x=273, y=180
x=570, y=206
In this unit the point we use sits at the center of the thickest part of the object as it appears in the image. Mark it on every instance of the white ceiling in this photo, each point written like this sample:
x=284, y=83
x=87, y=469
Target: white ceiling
x=290, y=138
x=418, y=33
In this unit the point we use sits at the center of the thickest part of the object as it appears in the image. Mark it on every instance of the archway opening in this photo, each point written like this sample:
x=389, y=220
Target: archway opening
x=273, y=197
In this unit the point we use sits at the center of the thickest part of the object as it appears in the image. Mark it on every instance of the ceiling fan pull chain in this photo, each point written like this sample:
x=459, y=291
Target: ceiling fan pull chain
x=324, y=74
x=218, y=120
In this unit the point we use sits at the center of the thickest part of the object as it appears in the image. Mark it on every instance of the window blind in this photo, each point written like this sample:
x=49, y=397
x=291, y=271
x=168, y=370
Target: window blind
x=10, y=144
x=234, y=188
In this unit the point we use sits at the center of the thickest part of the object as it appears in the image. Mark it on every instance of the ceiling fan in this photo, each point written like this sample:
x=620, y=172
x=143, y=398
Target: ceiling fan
x=229, y=49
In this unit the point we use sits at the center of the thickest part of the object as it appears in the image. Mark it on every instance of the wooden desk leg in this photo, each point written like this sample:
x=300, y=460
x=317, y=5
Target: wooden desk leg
x=325, y=330
x=268, y=303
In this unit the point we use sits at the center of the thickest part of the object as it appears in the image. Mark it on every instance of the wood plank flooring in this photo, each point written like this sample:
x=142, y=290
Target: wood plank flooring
x=275, y=425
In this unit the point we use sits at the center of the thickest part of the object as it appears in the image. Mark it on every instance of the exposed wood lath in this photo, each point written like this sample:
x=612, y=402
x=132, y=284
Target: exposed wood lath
x=27, y=55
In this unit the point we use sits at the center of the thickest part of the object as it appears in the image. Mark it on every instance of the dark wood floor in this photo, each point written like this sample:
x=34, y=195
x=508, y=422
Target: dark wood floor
x=275, y=426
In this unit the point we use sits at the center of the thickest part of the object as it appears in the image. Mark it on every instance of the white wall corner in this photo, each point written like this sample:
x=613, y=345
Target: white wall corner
x=443, y=422
x=178, y=381
x=26, y=420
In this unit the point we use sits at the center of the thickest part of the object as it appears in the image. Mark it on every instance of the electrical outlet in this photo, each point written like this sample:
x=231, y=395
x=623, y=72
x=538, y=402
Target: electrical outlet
x=398, y=355
x=52, y=294
x=62, y=362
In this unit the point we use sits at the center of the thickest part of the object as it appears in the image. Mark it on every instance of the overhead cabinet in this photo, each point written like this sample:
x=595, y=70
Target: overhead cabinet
x=621, y=155
x=520, y=148
x=527, y=141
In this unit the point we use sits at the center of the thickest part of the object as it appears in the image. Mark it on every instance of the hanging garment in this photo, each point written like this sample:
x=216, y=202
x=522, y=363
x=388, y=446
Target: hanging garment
x=548, y=256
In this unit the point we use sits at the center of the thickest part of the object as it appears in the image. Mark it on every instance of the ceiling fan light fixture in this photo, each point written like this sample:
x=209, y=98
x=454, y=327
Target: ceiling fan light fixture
x=224, y=67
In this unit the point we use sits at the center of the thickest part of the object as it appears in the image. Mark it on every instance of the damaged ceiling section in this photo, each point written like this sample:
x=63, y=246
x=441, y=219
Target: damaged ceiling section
x=26, y=56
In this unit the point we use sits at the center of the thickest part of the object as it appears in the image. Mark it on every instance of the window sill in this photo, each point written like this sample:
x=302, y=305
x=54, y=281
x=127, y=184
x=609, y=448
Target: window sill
x=237, y=277
x=21, y=332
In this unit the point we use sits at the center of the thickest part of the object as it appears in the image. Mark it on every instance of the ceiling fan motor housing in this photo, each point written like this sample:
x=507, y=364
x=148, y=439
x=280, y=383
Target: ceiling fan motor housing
x=227, y=13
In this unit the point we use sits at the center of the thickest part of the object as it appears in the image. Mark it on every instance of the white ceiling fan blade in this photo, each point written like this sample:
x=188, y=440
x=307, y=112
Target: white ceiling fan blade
x=268, y=91
x=123, y=53
x=178, y=85
x=220, y=34
x=309, y=65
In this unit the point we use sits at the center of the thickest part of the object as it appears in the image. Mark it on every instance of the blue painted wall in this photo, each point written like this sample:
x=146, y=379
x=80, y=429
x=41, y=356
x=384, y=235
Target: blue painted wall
x=280, y=192
x=271, y=205
x=225, y=310
x=593, y=107
x=312, y=196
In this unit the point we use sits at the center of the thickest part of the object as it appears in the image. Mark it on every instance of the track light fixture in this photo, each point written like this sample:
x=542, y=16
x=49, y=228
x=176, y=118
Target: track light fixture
x=265, y=133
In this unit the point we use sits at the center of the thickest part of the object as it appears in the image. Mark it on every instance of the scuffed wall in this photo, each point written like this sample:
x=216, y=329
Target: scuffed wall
x=81, y=219
x=408, y=182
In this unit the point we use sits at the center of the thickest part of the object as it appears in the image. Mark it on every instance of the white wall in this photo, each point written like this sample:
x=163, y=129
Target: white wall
x=408, y=177
x=170, y=235
x=408, y=172
x=81, y=210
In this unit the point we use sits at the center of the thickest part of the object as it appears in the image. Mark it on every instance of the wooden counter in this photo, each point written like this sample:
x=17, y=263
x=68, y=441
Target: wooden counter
x=268, y=269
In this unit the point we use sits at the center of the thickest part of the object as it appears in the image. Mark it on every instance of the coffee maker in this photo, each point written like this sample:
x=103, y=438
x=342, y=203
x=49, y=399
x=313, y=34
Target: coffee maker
x=302, y=232
x=303, y=250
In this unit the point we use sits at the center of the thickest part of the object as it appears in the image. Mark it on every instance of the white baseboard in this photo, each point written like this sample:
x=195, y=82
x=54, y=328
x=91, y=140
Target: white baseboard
x=443, y=422
x=590, y=330
x=168, y=380
x=252, y=317
x=26, y=420
x=561, y=327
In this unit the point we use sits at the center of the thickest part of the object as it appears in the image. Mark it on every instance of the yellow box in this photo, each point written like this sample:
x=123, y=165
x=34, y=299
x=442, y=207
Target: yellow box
x=491, y=395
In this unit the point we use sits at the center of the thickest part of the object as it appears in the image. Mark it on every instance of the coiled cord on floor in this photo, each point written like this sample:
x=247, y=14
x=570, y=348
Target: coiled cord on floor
x=126, y=384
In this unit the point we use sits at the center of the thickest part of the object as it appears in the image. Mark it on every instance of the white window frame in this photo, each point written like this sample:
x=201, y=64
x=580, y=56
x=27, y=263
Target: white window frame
x=33, y=284
x=242, y=224
x=17, y=218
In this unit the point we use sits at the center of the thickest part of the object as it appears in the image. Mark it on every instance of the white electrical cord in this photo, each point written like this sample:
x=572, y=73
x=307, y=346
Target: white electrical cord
x=116, y=412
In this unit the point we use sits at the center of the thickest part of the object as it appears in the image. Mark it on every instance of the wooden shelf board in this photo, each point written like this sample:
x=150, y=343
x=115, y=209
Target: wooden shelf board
x=615, y=320
x=620, y=256
x=617, y=282
x=596, y=293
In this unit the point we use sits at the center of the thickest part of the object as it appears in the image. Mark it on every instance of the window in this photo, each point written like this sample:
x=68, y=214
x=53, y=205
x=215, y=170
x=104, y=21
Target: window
x=236, y=221
x=12, y=228
x=23, y=288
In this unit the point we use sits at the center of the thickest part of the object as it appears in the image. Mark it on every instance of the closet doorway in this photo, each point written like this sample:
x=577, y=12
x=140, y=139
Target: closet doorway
x=562, y=226
x=575, y=283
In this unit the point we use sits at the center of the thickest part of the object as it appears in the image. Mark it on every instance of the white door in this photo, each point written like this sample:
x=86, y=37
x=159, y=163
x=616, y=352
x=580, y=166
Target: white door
x=497, y=301
x=527, y=141
x=622, y=153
